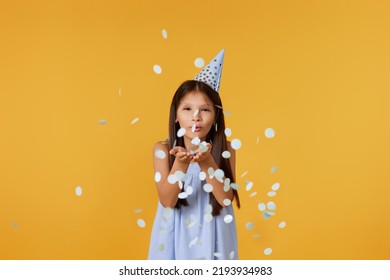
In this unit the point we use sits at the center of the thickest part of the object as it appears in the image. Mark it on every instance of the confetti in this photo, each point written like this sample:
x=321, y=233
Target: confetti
x=137, y=210
x=202, y=176
x=227, y=202
x=189, y=190
x=234, y=186
x=79, y=191
x=249, y=226
x=102, y=121
x=167, y=213
x=266, y=215
x=208, y=188
x=253, y=194
x=172, y=179
x=164, y=33
x=157, y=177
x=160, y=154
x=231, y=255
x=258, y=139
x=267, y=251
x=217, y=255
x=256, y=235
x=181, y=132
x=195, y=141
x=157, y=69
x=271, y=194
x=269, y=133
x=228, y=132
x=180, y=175
x=243, y=174
x=282, y=224
x=261, y=206
x=161, y=247
x=196, y=112
x=193, y=127
x=226, y=154
x=208, y=217
x=210, y=171
x=193, y=242
x=183, y=195
x=275, y=186
x=249, y=185
x=199, y=62
x=141, y=223
x=219, y=175
x=208, y=208
x=271, y=205
x=274, y=169
x=135, y=120
x=236, y=144
x=228, y=218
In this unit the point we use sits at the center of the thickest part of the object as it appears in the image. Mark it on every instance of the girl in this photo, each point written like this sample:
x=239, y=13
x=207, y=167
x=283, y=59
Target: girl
x=195, y=184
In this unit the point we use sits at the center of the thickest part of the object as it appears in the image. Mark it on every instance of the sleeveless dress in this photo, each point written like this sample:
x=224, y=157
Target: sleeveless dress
x=189, y=233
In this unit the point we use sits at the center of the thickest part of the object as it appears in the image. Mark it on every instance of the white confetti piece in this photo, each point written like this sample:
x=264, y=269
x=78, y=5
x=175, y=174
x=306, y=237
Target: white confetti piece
x=253, y=194
x=180, y=183
x=195, y=141
x=267, y=251
x=102, y=121
x=199, y=62
x=193, y=127
x=159, y=154
x=208, y=217
x=167, y=213
x=172, y=179
x=249, y=226
x=207, y=188
x=196, y=112
x=193, y=242
x=282, y=224
x=231, y=255
x=161, y=247
x=219, y=175
x=271, y=194
x=183, y=195
x=269, y=213
x=228, y=218
x=227, y=202
x=203, y=147
x=137, y=210
x=135, y=120
x=180, y=175
x=266, y=215
x=258, y=139
x=236, y=144
x=164, y=33
x=157, y=69
x=157, y=177
x=274, y=169
x=261, y=206
x=208, y=208
x=275, y=186
x=256, y=235
x=226, y=154
x=15, y=225
x=226, y=113
x=181, y=132
x=269, y=133
x=271, y=205
x=189, y=190
x=228, y=132
x=234, y=186
x=243, y=174
x=79, y=191
x=210, y=171
x=249, y=185
x=141, y=223
x=217, y=255
x=202, y=176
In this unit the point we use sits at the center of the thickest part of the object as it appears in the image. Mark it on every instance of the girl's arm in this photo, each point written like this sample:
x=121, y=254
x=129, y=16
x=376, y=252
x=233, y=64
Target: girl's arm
x=167, y=192
x=218, y=191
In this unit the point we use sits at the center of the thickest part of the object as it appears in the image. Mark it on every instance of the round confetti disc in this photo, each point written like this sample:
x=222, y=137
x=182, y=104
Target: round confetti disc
x=141, y=223
x=157, y=69
x=269, y=133
x=228, y=218
x=236, y=144
x=267, y=251
x=79, y=191
x=199, y=62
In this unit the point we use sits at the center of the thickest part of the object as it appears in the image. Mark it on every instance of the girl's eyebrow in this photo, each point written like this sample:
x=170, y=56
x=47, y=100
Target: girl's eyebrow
x=202, y=105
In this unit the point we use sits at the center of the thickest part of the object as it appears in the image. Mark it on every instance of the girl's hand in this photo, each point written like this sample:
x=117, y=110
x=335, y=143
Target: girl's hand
x=181, y=154
x=200, y=156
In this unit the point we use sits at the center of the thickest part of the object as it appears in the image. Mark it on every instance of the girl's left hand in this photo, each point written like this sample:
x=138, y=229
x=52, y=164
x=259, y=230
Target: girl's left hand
x=200, y=156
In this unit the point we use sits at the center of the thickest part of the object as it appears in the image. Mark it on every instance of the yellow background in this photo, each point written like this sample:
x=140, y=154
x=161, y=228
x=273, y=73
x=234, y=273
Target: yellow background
x=315, y=71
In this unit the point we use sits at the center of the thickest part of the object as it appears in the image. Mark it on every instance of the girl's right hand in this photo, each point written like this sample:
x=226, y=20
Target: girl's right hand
x=181, y=154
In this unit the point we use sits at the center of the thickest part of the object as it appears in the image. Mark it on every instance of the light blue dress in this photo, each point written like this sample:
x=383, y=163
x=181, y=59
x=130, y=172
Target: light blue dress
x=188, y=233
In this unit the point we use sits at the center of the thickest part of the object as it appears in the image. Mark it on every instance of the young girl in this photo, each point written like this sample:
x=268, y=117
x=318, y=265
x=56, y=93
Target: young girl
x=195, y=183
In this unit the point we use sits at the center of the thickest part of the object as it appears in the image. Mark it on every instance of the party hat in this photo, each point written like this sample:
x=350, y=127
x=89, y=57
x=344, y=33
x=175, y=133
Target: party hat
x=211, y=73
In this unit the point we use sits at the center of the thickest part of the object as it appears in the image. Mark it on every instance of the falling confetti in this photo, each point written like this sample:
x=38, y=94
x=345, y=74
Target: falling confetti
x=227, y=202
x=274, y=169
x=282, y=224
x=231, y=255
x=157, y=69
x=269, y=133
x=196, y=112
x=271, y=194
x=236, y=144
x=193, y=242
x=243, y=174
x=249, y=226
x=234, y=186
x=208, y=217
x=161, y=247
x=157, y=177
x=228, y=132
x=258, y=139
x=226, y=154
x=181, y=132
x=261, y=206
x=271, y=205
x=172, y=179
x=159, y=154
x=79, y=191
x=228, y=218
x=137, y=210
x=183, y=195
x=275, y=186
x=208, y=188
x=253, y=194
x=189, y=190
x=199, y=62
x=202, y=176
x=217, y=255
x=195, y=141
x=141, y=223
x=267, y=251
x=210, y=171
x=193, y=127
x=102, y=122
x=164, y=33
x=135, y=120
x=249, y=185
x=219, y=175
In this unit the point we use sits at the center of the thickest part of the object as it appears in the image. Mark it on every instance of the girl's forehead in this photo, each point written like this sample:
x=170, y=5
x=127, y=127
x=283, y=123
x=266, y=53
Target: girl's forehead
x=196, y=98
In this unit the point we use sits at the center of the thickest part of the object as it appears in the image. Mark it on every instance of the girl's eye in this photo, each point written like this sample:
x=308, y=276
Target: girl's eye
x=187, y=108
x=207, y=110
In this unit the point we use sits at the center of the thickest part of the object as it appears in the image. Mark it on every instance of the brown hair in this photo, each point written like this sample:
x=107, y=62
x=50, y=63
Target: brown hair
x=215, y=136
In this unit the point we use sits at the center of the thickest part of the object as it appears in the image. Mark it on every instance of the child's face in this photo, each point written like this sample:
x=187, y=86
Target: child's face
x=196, y=114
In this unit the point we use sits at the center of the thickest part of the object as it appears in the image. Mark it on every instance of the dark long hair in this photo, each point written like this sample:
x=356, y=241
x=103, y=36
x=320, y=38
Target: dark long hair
x=216, y=135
